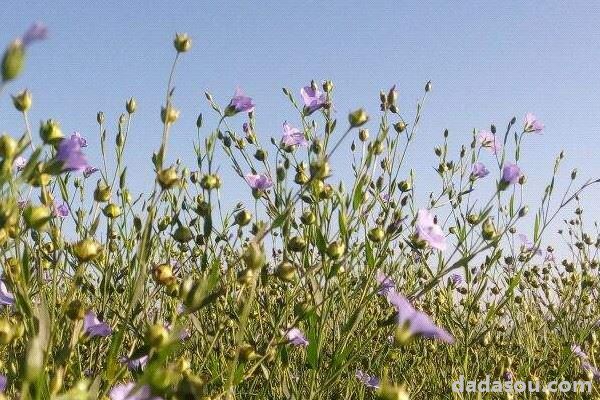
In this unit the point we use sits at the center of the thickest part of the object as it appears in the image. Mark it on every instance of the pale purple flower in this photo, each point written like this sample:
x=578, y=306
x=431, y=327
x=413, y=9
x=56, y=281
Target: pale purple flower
x=508, y=375
x=183, y=333
x=576, y=350
x=528, y=244
x=549, y=257
x=385, y=283
x=479, y=170
x=6, y=297
x=239, y=103
x=588, y=367
x=417, y=322
x=532, y=124
x=313, y=99
x=92, y=326
x=489, y=141
x=246, y=127
x=70, y=155
x=511, y=173
x=135, y=364
x=293, y=136
x=429, y=231
x=128, y=391
x=3, y=383
x=36, y=32
x=82, y=141
x=61, y=211
x=89, y=171
x=370, y=381
x=296, y=337
x=20, y=163
x=259, y=181
x=456, y=279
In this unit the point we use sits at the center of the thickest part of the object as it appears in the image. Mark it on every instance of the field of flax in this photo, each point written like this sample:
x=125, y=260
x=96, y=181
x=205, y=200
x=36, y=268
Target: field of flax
x=313, y=286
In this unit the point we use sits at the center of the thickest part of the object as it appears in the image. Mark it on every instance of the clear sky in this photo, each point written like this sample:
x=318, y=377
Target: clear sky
x=488, y=62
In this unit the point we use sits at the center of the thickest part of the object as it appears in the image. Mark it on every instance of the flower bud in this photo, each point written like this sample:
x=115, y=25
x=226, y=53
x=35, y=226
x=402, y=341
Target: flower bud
x=327, y=86
x=358, y=118
x=428, y=86
x=13, y=61
x=130, y=105
x=182, y=42
x=50, y=132
x=36, y=217
x=363, y=135
x=22, y=101
x=87, y=250
x=247, y=353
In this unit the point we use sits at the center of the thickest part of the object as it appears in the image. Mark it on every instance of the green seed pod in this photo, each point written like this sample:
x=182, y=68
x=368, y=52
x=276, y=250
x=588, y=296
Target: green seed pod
x=400, y=126
x=182, y=42
x=319, y=169
x=167, y=178
x=254, y=256
x=296, y=244
x=157, y=336
x=50, y=132
x=130, y=105
x=112, y=210
x=336, y=249
x=22, y=101
x=358, y=118
x=376, y=234
x=87, y=250
x=488, y=230
x=308, y=217
x=183, y=234
x=243, y=218
x=36, y=217
x=6, y=331
x=163, y=274
x=169, y=115
x=75, y=310
x=102, y=192
x=286, y=271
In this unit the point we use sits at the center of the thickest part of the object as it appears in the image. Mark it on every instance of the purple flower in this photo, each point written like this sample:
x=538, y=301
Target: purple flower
x=511, y=173
x=549, y=257
x=37, y=31
x=70, y=155
x=184, y=333
x=296, y=337
x=128, y=391
x=239, y=103
x=293, y=136
x=259, y=181
x=89, y=170
x=3, y=383
x=576, y=350
x=92, y=326
x=479, y=170
x=6, y=297
x=489, y=141
x=429, y=231
x=313, y=99
x=370, y=381
x=416, y=322
x=508, y=375
x=135, y=364
x=532, y=124
x=82, y=141
x=385, y=283
x=456, y=279
x=589, y=368
x=528, y=244
x=20, y=163
x=246, y=127
x=61, y=211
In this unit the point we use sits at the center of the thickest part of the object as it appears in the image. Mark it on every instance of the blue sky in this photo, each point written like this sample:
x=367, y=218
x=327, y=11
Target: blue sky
x=488, y=62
